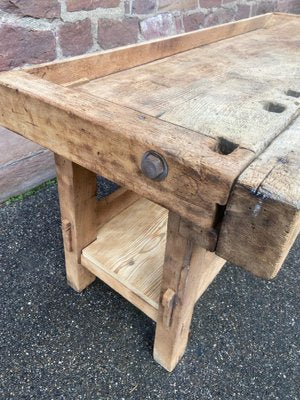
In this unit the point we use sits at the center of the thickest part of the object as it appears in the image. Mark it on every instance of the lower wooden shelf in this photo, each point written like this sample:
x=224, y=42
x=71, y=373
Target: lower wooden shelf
x=128, y=254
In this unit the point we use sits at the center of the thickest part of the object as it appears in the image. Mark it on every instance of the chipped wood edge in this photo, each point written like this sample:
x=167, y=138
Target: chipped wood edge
x=262, y=216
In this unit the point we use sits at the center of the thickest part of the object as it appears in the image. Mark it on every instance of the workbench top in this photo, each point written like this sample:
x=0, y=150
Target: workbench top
x=219, y=107
x=241, y=89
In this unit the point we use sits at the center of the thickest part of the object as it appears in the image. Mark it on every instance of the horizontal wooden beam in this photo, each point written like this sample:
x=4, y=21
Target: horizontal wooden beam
x=262, y=218
x=110, y=140
x=83, y=68
x=113, y=204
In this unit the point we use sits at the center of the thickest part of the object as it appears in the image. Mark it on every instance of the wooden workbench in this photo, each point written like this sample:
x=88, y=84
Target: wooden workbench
x=201, y=131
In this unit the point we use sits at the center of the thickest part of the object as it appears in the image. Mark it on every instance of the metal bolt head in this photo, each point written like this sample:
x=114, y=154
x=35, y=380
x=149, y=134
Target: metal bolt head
x=154, y=166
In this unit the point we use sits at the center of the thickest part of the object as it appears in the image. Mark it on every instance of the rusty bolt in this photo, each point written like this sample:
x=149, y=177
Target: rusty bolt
x=154, y=166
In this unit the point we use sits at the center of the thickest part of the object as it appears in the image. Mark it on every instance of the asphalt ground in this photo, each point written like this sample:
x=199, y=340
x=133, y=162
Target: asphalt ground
x=57, y=344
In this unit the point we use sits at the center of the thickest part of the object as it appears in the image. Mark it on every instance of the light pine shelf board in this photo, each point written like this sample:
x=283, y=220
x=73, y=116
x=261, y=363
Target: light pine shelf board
x=128, y=254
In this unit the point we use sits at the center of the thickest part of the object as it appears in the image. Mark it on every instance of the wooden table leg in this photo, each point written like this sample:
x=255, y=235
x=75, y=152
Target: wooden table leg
x=77, y=197
x=188, y=270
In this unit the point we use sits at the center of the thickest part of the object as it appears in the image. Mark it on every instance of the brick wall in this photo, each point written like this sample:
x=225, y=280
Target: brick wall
x=34, y=31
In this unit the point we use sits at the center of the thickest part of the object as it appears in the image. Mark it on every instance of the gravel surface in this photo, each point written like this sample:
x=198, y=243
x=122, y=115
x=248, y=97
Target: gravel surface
x=57, y=344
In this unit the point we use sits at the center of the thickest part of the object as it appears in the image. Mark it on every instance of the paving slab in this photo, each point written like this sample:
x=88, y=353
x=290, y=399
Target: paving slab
x=57, y=344
x=23, y=164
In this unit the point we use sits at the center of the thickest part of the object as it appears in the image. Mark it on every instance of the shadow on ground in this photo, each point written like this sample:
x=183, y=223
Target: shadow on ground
x=56, y=344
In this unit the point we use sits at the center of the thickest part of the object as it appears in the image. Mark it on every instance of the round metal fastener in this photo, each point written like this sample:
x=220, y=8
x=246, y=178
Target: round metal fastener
x=154, y=166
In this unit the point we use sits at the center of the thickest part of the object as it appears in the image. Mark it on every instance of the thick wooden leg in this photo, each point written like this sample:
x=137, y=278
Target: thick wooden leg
x=77, y=197
x=188, y=270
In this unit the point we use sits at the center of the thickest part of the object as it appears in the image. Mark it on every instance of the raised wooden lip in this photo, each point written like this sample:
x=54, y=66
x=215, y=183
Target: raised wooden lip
x=76, y=70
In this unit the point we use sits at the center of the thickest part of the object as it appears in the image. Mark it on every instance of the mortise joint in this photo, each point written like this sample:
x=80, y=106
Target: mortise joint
x=293, y=93
x=225, y=146
x=204, y=237
x=168, y=303
x=274, y=107
x=67, y=234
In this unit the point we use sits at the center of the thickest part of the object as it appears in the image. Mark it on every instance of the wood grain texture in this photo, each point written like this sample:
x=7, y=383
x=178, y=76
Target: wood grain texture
x=77, y=70
x=110, y=140
x=188, y=270
x=206, y=238
x=113, y=204
x=77, y=199
x=121, y=288
x=211, y=117
x=236, y=97
x=129, y=255
x=262, y=218
x=130, y=248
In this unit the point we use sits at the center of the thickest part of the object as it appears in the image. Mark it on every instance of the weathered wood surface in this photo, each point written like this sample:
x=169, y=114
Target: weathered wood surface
x=208, y=116
x=241, y=96
x=262, y=218
x=79, y=69
x=77, y=199
x=129, y=251
x=82, y=215
x=113, y=204
x=120, y=287
x=130, y=248
x=206, y=238
x=187, y=272
x=110, y=140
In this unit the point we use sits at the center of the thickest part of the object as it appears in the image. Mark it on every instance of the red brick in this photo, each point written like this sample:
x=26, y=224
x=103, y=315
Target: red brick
x=19, y=46
x=291, y=6
x=243, y=11
x=264, y=7
x=28, y=8
x=158, y=26
x=78, y=5
x=193, y=21
x=210, y=3
x=143, y=6
x=112, y=33
x=179, y=24
x=220, y=16
x=171, y=5
x=75, y=37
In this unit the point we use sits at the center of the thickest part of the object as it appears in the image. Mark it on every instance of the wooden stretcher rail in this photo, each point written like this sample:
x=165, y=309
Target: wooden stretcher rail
x=129, y=253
